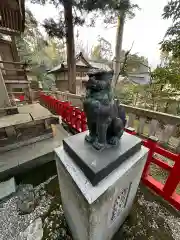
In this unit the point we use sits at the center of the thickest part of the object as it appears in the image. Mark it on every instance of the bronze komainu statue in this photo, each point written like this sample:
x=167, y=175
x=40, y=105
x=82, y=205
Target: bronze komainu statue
x=105, y=117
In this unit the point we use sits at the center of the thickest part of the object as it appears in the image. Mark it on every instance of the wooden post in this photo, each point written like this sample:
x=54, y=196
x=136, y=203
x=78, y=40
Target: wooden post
x=4, y=98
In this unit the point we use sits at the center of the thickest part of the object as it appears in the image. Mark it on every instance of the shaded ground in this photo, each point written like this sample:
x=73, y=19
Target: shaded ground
x=150, y=217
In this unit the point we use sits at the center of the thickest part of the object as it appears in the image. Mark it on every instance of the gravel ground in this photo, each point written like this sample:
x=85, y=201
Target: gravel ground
x=150, y=218
x=12, y=223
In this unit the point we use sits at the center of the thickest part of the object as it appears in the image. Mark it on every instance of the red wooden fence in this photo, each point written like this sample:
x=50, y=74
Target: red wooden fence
x=76, y=119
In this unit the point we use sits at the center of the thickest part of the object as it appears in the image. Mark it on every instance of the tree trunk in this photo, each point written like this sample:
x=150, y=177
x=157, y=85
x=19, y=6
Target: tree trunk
x=118, y=50
x=71, y=63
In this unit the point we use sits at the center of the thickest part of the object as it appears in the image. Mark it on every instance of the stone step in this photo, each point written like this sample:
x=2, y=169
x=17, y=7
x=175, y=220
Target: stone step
x=6, y=188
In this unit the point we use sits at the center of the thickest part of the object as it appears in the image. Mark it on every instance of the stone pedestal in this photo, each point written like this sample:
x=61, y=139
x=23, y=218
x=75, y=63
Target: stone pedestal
x=96, y=212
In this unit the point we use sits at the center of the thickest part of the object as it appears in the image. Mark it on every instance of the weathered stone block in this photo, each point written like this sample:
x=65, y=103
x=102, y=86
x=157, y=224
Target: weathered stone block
x=97, y=212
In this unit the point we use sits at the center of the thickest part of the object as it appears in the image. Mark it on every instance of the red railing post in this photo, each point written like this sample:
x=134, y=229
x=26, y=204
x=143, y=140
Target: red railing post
x=173, y=179
x=78, y=119
x=73, y=118
x=130, y=130
x=151, y=144
x=83, y=122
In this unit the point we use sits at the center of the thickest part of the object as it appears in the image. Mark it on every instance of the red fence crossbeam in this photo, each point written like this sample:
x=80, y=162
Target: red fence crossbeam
x=166, y=153
x=153, y=184
x=173, y=179
x=161, y=164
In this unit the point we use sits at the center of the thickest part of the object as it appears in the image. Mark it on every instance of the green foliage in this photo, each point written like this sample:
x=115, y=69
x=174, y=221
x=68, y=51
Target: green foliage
x=109, y=9
x=96, y=52
x=40, y=52
x=171, y=42
x=116, y=10
x=58, y=28
x=162, y=94
x=134, y=62
x=31, y=40
x=125, y=93
x=90, y=5
x=165, y=85
x=102, y=51
x=169, y=74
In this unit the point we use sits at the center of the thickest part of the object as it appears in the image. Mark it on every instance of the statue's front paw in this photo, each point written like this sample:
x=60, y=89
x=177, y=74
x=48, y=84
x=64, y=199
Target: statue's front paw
x=98, y=146
x=114, y=141
x=89, y=138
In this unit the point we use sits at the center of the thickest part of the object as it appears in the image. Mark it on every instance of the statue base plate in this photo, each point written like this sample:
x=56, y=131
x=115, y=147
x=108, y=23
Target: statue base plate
x=96, y=165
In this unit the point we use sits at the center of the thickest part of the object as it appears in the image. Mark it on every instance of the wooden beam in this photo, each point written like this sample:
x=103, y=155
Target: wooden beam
x=12, y=19
x=17, y=81
x=9, y=32
x=13, y=69
x=11, y=62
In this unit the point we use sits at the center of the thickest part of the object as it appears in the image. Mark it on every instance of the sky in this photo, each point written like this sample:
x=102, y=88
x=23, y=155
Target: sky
x=146, y=30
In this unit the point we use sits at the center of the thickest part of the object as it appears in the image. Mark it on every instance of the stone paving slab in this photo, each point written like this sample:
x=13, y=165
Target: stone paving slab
x=26, y=114
x=37, y=111
x=15, y=119
x=6, y=188
x=7, y=163
x=19, y=158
